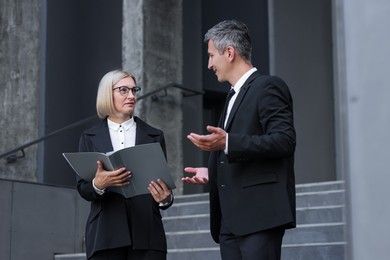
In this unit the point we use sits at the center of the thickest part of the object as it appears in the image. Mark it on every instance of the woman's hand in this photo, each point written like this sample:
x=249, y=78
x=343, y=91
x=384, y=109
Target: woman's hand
x=160, y=191
x=104, y=179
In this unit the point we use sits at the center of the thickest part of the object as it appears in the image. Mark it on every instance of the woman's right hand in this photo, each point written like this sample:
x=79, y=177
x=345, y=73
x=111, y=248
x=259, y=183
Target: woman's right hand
x=104, y=179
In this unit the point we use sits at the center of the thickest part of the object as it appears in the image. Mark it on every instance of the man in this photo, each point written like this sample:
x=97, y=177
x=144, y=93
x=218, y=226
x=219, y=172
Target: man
x=251, y=165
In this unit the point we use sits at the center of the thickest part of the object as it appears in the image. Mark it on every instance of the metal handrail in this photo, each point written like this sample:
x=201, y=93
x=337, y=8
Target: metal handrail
x=11, y=156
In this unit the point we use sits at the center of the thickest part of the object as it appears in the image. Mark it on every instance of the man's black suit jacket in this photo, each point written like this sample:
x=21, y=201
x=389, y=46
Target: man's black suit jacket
x=114, y=221
x=253, y=186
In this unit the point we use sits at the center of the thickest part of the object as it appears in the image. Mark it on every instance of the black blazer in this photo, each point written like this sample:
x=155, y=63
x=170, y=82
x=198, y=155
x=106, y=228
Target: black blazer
x=114, y=221
x=253, y=186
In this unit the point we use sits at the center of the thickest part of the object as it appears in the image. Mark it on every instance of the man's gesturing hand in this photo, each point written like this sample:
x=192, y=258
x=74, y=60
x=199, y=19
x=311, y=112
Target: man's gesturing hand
x=214, y=141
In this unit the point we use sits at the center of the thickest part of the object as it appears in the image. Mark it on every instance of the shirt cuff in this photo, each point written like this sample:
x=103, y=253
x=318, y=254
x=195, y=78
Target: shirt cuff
x=97, y=190
x=226, y=145
x=166, y=202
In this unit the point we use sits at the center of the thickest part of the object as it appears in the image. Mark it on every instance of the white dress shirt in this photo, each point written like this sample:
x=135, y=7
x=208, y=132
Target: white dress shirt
x=237, y=88
x=122, y=136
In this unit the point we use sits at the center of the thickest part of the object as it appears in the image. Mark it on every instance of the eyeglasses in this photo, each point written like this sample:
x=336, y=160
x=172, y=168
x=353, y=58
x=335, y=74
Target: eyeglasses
x=124, y=91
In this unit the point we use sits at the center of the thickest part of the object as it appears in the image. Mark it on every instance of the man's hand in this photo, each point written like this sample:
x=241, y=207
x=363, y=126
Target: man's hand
x=201, y=175
x=104, y=179
x=215, y=141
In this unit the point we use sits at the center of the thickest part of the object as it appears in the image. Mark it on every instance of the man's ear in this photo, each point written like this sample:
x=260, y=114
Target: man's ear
x=231, y=53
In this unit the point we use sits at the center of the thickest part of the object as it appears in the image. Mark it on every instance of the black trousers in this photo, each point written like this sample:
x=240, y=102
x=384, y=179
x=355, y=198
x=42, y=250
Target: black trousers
x=263, y=245
x=127, y=253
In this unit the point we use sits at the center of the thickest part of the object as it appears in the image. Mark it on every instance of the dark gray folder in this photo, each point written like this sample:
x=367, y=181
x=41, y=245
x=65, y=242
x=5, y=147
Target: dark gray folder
x=146, y=163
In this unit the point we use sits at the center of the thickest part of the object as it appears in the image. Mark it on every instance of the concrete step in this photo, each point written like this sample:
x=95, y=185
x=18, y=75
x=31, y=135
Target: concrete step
x=307, y=195
x=313, y=251
x=309, y=215
x=319, y=234
x=312, y=199
x=78, y=256
x=319, y=186
x=191, y=198
x=319, y=198
x=317, y=251
x=187, y=208
x=190, y=239
x=303, y=234
x=300, y=188
x=320, y=214
x=194, y=254
x=187, y=223
x=315, y=233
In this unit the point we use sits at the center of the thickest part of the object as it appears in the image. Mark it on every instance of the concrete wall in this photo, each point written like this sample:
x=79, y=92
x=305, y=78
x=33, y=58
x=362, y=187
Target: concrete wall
x=81, y=45
x=363, y=40
x=192, y=78
x=301, y=53
x=38, y=221
x=76, y=55
x=19, y=81
x=152, y=50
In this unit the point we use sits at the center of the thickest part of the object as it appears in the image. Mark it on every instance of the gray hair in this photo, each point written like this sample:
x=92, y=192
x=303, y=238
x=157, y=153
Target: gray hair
x=231, y=33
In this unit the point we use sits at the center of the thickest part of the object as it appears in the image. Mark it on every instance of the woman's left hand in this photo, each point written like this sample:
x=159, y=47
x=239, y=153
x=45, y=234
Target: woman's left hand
x=159, y=191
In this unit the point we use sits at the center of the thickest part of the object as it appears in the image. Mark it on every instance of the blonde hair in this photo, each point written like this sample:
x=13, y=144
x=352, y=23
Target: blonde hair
x=104, y=100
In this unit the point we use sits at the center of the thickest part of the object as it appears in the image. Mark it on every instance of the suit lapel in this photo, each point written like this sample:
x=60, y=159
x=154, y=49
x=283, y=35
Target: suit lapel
x=144, y=133
x=141, y=137
x=100, y=135
x=240, y=97
x=101, y=138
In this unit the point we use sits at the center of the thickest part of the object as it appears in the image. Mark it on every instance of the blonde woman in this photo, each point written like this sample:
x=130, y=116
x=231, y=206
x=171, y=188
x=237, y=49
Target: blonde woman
x=120, y=228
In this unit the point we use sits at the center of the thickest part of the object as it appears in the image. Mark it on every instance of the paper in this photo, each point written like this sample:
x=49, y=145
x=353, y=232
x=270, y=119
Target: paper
x=146, y=163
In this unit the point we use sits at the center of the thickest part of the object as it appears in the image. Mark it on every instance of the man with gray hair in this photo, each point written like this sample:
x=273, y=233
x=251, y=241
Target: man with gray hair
x=251, y=164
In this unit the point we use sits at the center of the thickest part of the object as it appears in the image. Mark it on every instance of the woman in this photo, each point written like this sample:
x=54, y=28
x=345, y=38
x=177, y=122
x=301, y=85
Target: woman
x=120, y=228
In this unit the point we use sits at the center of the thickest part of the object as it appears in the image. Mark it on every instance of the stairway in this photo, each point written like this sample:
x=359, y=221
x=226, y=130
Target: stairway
x=319, y=234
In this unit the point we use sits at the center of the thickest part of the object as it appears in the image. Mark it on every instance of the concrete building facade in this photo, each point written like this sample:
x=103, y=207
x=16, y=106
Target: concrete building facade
x=333, y=54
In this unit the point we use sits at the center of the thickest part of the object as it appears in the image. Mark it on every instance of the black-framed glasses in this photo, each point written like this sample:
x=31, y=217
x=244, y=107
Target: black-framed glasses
x=124, y=91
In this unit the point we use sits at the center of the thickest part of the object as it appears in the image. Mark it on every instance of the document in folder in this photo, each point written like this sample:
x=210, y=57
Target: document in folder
x=146, y=163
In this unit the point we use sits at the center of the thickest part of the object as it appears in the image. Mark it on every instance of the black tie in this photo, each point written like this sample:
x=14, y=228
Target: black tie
x=228, y=97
